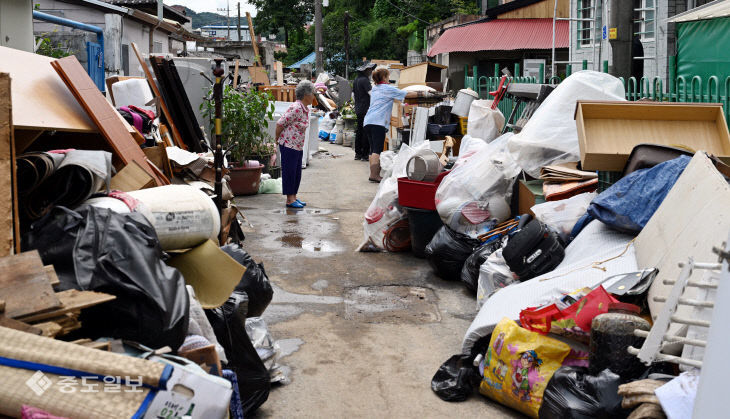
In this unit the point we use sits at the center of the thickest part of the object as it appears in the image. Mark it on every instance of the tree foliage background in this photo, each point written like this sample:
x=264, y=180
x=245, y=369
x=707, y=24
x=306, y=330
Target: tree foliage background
x=379, y=29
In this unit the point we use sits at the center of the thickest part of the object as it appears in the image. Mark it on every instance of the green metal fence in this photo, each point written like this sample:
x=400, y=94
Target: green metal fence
x=680, y=89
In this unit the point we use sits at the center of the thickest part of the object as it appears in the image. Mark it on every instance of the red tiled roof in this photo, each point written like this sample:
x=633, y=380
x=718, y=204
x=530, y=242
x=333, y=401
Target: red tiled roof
x=503, y=35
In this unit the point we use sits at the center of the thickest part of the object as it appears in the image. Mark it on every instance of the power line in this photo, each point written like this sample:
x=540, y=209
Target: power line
x=413, y=16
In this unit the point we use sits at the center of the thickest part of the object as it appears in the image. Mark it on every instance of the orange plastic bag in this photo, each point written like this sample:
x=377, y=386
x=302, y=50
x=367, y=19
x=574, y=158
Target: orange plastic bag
x=518, y=365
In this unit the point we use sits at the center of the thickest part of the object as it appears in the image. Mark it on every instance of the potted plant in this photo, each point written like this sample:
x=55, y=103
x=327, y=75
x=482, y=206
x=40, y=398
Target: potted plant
x=246, y=116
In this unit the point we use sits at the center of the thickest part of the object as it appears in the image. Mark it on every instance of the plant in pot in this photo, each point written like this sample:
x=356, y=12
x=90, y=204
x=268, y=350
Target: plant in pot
x=246, y=116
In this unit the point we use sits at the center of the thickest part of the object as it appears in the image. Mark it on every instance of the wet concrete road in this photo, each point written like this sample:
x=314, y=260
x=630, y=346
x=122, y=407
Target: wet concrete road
x=366, y=331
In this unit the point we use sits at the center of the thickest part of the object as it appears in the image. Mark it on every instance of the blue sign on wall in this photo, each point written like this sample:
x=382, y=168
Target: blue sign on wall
x=604, y=32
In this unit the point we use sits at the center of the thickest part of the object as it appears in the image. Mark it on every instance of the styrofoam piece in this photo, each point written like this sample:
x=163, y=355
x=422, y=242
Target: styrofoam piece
x=595, y=243
x=132, y=92
x=183, y=216
x=691, y=220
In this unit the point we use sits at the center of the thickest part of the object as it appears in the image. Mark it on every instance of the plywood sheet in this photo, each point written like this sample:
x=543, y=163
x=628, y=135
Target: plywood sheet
x=691, y=220
x=24, y=285
x=8, y=183
x=71, y=300
x=258, y=75
x=132, y=178
x=103, y=114
x=41, y=100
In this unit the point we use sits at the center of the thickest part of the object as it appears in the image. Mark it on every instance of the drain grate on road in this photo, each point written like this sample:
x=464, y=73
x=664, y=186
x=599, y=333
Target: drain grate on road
x=391, y=304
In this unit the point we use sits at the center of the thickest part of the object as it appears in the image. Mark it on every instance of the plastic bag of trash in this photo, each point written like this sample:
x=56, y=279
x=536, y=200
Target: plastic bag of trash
x=270, y=186
x=628, y=204
x=470, y=271
x=229, y=324
x=484, y=122
x=254, y=281
x=97, y=249
x=456, y=379
x=447, y=252
x=494, y=274
x=386, y=163
x=469, y=146
x=561, y=216
x=476, y=194
x=573, y=393
x=550, y=136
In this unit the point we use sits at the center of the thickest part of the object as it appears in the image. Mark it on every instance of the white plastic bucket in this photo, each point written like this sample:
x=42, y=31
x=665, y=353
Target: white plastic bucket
x=463, y=101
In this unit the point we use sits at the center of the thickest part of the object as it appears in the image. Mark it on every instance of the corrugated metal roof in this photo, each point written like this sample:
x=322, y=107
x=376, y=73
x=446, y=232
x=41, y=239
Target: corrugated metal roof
x=309, y=59
x=711, y=10
x=503, y=35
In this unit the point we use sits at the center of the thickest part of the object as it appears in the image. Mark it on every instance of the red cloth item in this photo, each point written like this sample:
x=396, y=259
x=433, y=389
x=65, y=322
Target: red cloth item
x=557, y=191
x=136, y=119
x=30, y=412
x=147, y=112
x=131, y=202
x=61, y=151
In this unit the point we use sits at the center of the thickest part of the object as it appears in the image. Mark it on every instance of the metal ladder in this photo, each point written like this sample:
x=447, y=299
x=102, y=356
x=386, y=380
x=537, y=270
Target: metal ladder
x=592, y=20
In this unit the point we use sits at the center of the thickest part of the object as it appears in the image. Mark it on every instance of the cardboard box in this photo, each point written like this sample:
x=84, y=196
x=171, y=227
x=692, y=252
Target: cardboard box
x=608, y=131
x=529, y=194
x=420, y=74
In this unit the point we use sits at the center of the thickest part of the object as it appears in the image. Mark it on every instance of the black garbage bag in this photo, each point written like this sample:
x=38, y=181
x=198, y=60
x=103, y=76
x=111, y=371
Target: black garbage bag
x=229, y=325
x=447, y=252
x=254, y=282
x=456, y=379
x=572, y=393
x=470, y=271
x=97, y=249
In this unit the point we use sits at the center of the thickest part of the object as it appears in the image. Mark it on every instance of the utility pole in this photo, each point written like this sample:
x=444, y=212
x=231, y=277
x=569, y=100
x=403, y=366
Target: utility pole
x=239, y=21
x=318, y=48
x=228, y=18
x=347, y=43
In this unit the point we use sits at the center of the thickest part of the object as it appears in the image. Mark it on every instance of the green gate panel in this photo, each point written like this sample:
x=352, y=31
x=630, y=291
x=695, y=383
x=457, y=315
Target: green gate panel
x=703, y=49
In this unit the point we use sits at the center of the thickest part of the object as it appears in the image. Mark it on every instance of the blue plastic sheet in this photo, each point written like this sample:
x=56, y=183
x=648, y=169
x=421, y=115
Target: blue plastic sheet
x=629, y=203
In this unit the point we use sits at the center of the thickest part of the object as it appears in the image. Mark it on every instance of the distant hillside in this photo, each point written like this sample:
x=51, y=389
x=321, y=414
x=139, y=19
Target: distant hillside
x=205, y=18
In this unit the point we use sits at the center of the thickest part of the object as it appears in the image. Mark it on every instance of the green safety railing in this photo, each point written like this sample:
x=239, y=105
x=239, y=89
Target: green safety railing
x=679, y=89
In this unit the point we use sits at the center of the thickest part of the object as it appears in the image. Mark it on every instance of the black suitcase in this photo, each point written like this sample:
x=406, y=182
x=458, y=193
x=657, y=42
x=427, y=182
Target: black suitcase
x=533, y=250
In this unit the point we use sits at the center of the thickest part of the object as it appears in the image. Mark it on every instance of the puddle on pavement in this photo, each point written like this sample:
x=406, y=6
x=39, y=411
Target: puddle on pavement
x=391, y=304
x=313, y=211
x=299, y=242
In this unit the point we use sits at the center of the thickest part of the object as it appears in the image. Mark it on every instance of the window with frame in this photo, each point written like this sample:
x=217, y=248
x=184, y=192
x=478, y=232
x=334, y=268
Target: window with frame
x=644, y=15
x=585, y=25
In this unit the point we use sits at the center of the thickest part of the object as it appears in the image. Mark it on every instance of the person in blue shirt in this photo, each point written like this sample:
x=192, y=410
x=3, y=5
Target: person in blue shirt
x=377, y=119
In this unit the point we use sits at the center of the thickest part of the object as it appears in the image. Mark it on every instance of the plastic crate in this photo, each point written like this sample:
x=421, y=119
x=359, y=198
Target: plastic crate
x=463, y=120
x=417, y=194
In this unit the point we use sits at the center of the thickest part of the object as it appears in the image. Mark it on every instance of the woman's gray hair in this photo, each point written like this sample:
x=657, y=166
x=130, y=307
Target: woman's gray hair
x=304, y=88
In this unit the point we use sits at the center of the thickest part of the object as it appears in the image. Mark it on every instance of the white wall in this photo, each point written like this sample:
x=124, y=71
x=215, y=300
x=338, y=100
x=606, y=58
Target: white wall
x=16, y=27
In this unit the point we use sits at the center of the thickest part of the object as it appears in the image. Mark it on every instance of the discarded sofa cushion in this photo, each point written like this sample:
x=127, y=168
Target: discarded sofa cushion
x=629, y=203
x=97, y=249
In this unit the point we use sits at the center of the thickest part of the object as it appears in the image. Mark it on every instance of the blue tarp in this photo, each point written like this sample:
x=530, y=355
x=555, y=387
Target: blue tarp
x=309, y=59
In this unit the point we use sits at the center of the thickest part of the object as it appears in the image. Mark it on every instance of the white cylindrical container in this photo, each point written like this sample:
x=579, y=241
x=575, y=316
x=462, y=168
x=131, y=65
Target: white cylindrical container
x=423, y=166
x=183, y=216
x=463, y=101
x=339, y=125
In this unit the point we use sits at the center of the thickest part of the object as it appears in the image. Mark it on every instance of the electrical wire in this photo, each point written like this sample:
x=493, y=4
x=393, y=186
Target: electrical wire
x=413, y=16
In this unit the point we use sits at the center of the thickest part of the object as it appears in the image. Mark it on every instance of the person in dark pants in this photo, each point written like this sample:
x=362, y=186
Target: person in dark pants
x=377, y=120
x=291, y=130
x=361, y=90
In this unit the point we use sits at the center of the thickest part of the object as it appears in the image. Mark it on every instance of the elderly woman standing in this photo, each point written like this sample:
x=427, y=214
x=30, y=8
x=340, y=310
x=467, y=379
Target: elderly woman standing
x=377, y=120
x=291, y=132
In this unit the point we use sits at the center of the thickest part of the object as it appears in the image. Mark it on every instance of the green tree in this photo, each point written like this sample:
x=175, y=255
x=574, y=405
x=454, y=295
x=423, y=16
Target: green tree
x=288, y=15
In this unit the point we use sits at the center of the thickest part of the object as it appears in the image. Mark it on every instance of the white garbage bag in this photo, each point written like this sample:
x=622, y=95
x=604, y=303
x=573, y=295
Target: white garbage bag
x=484, y=122
x=562, y=215
x=550, y=136
x=494, y=274
x=470, y=145
x=475, y=196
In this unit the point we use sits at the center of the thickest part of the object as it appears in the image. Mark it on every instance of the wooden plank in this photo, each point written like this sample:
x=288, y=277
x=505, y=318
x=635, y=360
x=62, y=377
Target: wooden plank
x=103, y=113
x=41, y=100
x=71, y=300
x=158, y=156
x=51, y=274
x=18, y=325
x=24, y=138
x=253, y=40
x=279, y=73
x=259, y=76
x=49, y=329
x=24, y=285
x=9, y=226
x=100, y=345
x=235, y=74
x=165, y=111
x=132, y=178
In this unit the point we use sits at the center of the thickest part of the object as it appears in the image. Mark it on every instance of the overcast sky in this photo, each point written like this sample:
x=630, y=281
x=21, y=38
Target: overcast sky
x=212, y=5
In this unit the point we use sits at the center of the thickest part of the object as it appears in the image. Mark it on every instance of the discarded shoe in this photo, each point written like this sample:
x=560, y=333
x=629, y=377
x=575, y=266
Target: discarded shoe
x=374, y=180
x=295, y=204
x=301, y=202
x=358, y=157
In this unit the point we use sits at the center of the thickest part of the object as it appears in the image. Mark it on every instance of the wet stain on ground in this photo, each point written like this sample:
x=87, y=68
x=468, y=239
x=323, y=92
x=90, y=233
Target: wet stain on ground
x=306, y=232
x=294, y=211
x=391, y=304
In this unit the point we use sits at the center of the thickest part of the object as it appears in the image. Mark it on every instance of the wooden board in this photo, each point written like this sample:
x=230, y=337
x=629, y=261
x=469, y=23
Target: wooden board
x=41, y=100
x=235, y=73
x=165, y=111
x=279, y=73
x=158, y=156
x=608, y=131
x=253, y=39
x=104, y=115
x=132, y=178
x=51, y=274
x=9, y=225
x=24, y=285
x=49, y=329
x=258, y=75
x=71, y=300
x=18, y=325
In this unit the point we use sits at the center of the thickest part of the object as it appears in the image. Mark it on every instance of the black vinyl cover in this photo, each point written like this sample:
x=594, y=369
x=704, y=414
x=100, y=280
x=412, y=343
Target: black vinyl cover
x=254, y=281
x=447, y=252
x=229, y=325
x=532, y=251
x=572, y=393
x=100, y=250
